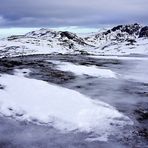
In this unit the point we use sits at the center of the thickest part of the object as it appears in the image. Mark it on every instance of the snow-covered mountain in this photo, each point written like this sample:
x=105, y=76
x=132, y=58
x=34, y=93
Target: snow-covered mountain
x=119, y=40
x=122, y=39
x=43, y=41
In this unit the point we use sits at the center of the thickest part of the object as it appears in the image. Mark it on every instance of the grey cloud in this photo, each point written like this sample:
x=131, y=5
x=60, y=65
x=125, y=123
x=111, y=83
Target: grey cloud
x=40, y=13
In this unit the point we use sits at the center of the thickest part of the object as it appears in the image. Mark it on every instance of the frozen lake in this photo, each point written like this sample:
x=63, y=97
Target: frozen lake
x=120, y=82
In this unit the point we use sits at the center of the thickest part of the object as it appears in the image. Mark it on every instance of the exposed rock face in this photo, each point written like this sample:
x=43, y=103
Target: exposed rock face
x=123, y=39
x=130, y=29
x=67, y=34
x=127, y=34
x=122, y=31
x=134, y=30
x=14, y=37
x=143, y=32
x=72, y=36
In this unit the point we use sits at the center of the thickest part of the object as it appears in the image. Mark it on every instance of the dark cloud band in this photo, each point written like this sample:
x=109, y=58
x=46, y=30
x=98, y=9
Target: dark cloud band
x=49, y=13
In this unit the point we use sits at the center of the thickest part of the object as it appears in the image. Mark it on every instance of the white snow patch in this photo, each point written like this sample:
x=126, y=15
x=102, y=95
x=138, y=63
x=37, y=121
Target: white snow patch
x=121, y=58
x=84, y=70
x=22, y=72
x=65, y=109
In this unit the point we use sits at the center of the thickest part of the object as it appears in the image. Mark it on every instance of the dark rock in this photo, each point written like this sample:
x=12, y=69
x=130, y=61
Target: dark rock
x=107, y=32
x=130, y=29
x=68, y=35
x=143, y=32
x=131, y=41
x=142, y=114
x=143, y=132
x=73, y=37
x=14, y=37
x=117, y=28
x=7, y=63
x=2, y=87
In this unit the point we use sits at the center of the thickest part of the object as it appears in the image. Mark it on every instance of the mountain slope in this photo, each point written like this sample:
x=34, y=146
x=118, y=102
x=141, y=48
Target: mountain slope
x=119, y=40
x=43, y=41
x=122, y=39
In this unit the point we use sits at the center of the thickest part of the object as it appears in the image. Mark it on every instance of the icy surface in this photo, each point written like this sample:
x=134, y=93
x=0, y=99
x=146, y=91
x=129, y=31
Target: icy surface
x=65, y=109
x=85, y=70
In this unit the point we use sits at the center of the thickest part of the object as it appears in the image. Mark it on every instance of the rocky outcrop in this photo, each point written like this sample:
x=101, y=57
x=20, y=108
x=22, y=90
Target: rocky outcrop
x=143, y=32
x=121, y=32
x=135, y=30
x=14, y=37
x=73, y=37
x=130, y=29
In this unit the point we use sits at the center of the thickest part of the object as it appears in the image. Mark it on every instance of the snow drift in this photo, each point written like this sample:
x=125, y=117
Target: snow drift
x=64, y=109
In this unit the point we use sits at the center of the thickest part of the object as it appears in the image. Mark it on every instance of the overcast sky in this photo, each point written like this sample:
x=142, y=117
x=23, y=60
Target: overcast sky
x=82, y=13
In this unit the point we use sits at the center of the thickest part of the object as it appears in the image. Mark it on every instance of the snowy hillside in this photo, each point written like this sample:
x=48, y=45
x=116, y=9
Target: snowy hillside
x=120, y=40
x=43, y=41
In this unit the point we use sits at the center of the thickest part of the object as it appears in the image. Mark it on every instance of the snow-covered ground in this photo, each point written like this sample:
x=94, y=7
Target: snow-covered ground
x=31, y=46
x=65, y=109
x=24, y=47
x=108, y=48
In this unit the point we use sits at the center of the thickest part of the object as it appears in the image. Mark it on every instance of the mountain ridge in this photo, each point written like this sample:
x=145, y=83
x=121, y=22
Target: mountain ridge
x=121, y=39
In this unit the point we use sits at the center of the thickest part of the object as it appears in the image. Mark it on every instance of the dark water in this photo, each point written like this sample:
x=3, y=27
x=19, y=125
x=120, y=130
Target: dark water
x=128, y=93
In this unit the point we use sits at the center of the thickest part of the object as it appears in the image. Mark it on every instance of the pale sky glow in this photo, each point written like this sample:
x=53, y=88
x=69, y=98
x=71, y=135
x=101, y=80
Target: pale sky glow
x=5, y=32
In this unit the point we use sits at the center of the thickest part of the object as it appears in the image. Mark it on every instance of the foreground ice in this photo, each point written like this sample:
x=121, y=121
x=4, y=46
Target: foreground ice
x=84, y=70
x=65, y=109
